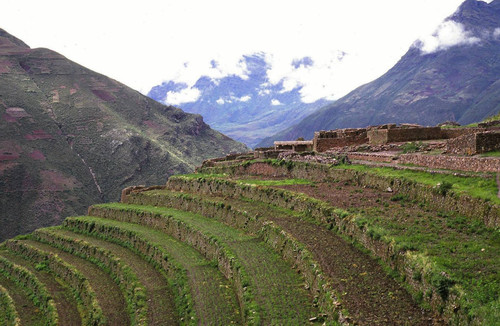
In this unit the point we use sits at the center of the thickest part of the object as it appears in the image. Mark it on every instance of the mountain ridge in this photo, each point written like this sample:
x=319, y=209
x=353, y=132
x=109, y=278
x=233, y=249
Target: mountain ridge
x=70, y=137
x=459, y=83
x=246, y=108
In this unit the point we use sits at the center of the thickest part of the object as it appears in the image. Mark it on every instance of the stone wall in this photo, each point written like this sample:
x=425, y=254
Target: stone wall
x=487, y=141
x=472, y=207
x=297, y=145
x=394, y=135
x=375, y=157
x=325, y=140
x=462, y=163
x=463, y=145
x=476, y=143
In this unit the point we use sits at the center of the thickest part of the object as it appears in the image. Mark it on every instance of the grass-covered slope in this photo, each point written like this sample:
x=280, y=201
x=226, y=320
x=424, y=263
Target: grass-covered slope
x=265, y=243
x=449, y=260
x=70, y=137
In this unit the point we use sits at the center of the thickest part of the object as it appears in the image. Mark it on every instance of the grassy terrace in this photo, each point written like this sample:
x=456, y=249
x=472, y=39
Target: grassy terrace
x=109, y=295
x=211, y=294
x=161, y=309
x=28, y=313
x=383, y=301
x=275, y=287
x=448, y=249
x=485, y=188
x=59, y=291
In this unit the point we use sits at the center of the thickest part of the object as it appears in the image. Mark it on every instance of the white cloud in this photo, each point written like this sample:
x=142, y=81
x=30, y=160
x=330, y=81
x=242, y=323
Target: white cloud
x=187, y=95
x=275, y=102
x=263, y=92
x=496, y=32
x=245, y=98
x=220, y=101
x=166, y=34
x=447, y=35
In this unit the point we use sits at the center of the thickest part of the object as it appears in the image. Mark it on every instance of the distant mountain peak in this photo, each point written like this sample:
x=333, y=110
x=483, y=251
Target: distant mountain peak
x=452, y=74
x=246, y=107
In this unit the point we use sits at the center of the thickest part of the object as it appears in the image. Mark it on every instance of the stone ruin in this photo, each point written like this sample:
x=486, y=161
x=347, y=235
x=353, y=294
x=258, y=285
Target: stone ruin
x=462, y=141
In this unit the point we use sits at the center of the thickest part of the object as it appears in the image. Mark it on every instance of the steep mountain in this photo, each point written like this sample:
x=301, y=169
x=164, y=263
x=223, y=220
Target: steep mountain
x=70, y=137
x=246, y=108
x=454, y=75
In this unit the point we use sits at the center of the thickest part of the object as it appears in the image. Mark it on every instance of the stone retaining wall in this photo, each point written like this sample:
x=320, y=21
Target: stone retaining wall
x=472, y=207
x=475, y=164
x=375, y=157
x=344, y=223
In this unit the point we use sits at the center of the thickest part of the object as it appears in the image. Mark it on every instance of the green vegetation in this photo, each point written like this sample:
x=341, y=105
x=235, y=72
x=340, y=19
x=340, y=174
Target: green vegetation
x=90, y=308
x=454, y=255
x=267, y=279
x=484, y=188
x=491, y=154
x=8, y=312
x=412, y=147
x=213, y=302
x=35, y=289
x=134, y=291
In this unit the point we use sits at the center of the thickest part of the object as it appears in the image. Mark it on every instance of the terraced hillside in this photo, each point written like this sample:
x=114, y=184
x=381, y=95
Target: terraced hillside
x=267, y=243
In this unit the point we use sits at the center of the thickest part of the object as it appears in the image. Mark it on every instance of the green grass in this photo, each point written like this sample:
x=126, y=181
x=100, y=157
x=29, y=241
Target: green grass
x=464, y=249
x=484, y=188
x=214, y=299
x=282, y=182
x=8, y=312
x=491, y=154
x=276, y=285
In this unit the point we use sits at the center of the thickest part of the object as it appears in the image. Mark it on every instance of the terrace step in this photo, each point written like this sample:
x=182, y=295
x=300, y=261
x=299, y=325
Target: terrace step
x=61, y=293
x=27, y=312
x=277, y=289
x=369, y=295
x=196, y=281
x=118, y=269
x=446, y=256
x=109, y=295
x=8, y=313
x=161, y=306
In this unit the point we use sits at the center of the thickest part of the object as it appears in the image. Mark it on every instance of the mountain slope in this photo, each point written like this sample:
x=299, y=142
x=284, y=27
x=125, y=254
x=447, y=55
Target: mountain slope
x=246, y=108
x=458, y=82
x=70, y=137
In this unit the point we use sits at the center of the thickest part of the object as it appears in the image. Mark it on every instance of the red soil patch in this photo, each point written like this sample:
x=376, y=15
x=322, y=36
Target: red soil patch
x=154, y=125
x=7, y=117
x=17, y=112
x=56, y=181
x=6, y=166
x=9, y=151
x=38, y=134
x=13, y=114
x=37, y=155
x=103, y=95
x=5, y=66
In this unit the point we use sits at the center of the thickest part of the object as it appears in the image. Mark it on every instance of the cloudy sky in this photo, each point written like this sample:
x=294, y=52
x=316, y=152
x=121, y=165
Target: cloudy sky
x=142, y=43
